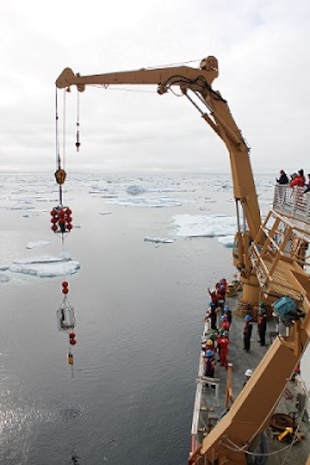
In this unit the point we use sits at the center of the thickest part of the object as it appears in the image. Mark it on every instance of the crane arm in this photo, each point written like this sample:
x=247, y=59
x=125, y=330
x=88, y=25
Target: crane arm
x=242, y=176
x=208, y=71
x=219, y=118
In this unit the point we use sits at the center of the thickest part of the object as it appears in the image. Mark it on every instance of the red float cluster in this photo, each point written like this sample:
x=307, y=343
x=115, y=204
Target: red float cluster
x=61, y=220
x=65, y=287
x=72, y=339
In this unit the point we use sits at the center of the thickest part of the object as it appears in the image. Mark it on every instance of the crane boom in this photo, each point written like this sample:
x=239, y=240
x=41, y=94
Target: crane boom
x=208, y=72
x=217, y=114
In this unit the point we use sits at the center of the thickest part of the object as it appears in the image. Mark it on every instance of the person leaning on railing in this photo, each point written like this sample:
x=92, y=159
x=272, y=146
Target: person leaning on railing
x=307, y=185
x=282, y=179
x=298, y=180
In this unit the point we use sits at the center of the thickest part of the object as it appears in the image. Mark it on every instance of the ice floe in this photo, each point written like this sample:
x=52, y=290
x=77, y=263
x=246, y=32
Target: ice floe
x=46, y=266
x=227, y=241
x=34, y=245
x=4, y=267
x=154, y=202
x=158, y=240
x=4, y=278
x=204, y=226
x=135, y=190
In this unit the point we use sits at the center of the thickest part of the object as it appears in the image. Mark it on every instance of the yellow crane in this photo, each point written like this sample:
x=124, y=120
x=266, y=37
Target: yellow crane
x=271, y=256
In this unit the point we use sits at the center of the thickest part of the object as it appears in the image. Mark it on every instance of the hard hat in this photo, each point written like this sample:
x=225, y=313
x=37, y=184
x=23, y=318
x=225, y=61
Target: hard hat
x=226, y=308
x=248, y=372
x=209, y=342
x=209, y=353
x=223, y=318
x=248, y=317
x=212, y=336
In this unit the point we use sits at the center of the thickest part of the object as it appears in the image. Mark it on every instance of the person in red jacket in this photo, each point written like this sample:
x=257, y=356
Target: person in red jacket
x=225, y=325
x=221, y=294
x=213, y=296
x=298, y=179
x=223, y=342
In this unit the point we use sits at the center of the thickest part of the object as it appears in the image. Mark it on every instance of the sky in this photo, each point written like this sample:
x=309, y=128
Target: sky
x=262, y=47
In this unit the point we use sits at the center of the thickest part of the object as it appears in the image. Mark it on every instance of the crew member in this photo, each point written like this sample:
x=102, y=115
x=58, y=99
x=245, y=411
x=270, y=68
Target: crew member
x=223, y=343
x=247, y=333
x=298, y=179
x=283, y=179
x=227, y=311
x=225, y=325
x=212, y=314
x=248, y=375
x=209, y=363
x=262, y=323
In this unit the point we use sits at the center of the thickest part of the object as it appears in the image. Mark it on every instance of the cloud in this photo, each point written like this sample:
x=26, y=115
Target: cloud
x=264, y=74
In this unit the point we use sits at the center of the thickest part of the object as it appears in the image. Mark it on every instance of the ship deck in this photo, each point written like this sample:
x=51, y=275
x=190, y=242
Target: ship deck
x=211, y=402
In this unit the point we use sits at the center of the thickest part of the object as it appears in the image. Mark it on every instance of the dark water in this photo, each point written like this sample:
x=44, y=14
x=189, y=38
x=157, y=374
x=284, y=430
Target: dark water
x=139, y=311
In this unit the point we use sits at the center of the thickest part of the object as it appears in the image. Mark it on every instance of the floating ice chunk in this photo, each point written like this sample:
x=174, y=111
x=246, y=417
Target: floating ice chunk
x=4, y=267
x=227, y=241
x=47, y=269
x=4, y=278
x=146, y=202
x=34, y=245
x=47, y=259
x=46, y=266
x=204, y=226
x=158, y=240
x=135, y=190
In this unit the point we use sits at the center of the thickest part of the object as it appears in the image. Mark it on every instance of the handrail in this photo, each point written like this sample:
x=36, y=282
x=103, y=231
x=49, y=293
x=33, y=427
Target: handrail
x=292, y=202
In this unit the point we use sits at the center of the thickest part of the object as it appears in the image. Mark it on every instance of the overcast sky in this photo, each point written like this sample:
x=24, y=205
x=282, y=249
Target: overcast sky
x=263, y=51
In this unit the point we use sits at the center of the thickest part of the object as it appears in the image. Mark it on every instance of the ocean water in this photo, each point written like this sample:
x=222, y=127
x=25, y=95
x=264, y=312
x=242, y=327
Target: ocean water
x=148, y=247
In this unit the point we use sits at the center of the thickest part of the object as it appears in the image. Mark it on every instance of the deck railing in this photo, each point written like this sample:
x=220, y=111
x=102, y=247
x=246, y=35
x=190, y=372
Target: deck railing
x=292, y=202
x=283, y=241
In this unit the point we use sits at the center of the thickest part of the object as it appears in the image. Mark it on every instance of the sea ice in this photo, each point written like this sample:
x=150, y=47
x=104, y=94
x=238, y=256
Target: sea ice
x=46, y=266
x=135, y=190
x=4, y=278
x=204, y=226
x=155, y=202
x=34, y=245
x=4, y=267
x=158, y=240
x=227, y=241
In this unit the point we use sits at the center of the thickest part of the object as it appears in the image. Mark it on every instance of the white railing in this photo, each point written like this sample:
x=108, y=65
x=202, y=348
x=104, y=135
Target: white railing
x=292, y=202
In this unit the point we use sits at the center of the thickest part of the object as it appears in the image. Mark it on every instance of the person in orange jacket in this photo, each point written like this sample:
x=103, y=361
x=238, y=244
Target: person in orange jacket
x=223, y=343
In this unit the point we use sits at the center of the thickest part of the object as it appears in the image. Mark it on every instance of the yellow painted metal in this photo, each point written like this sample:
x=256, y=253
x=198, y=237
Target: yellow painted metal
x=266, y=268
x=160, y=76
x=251, y=411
